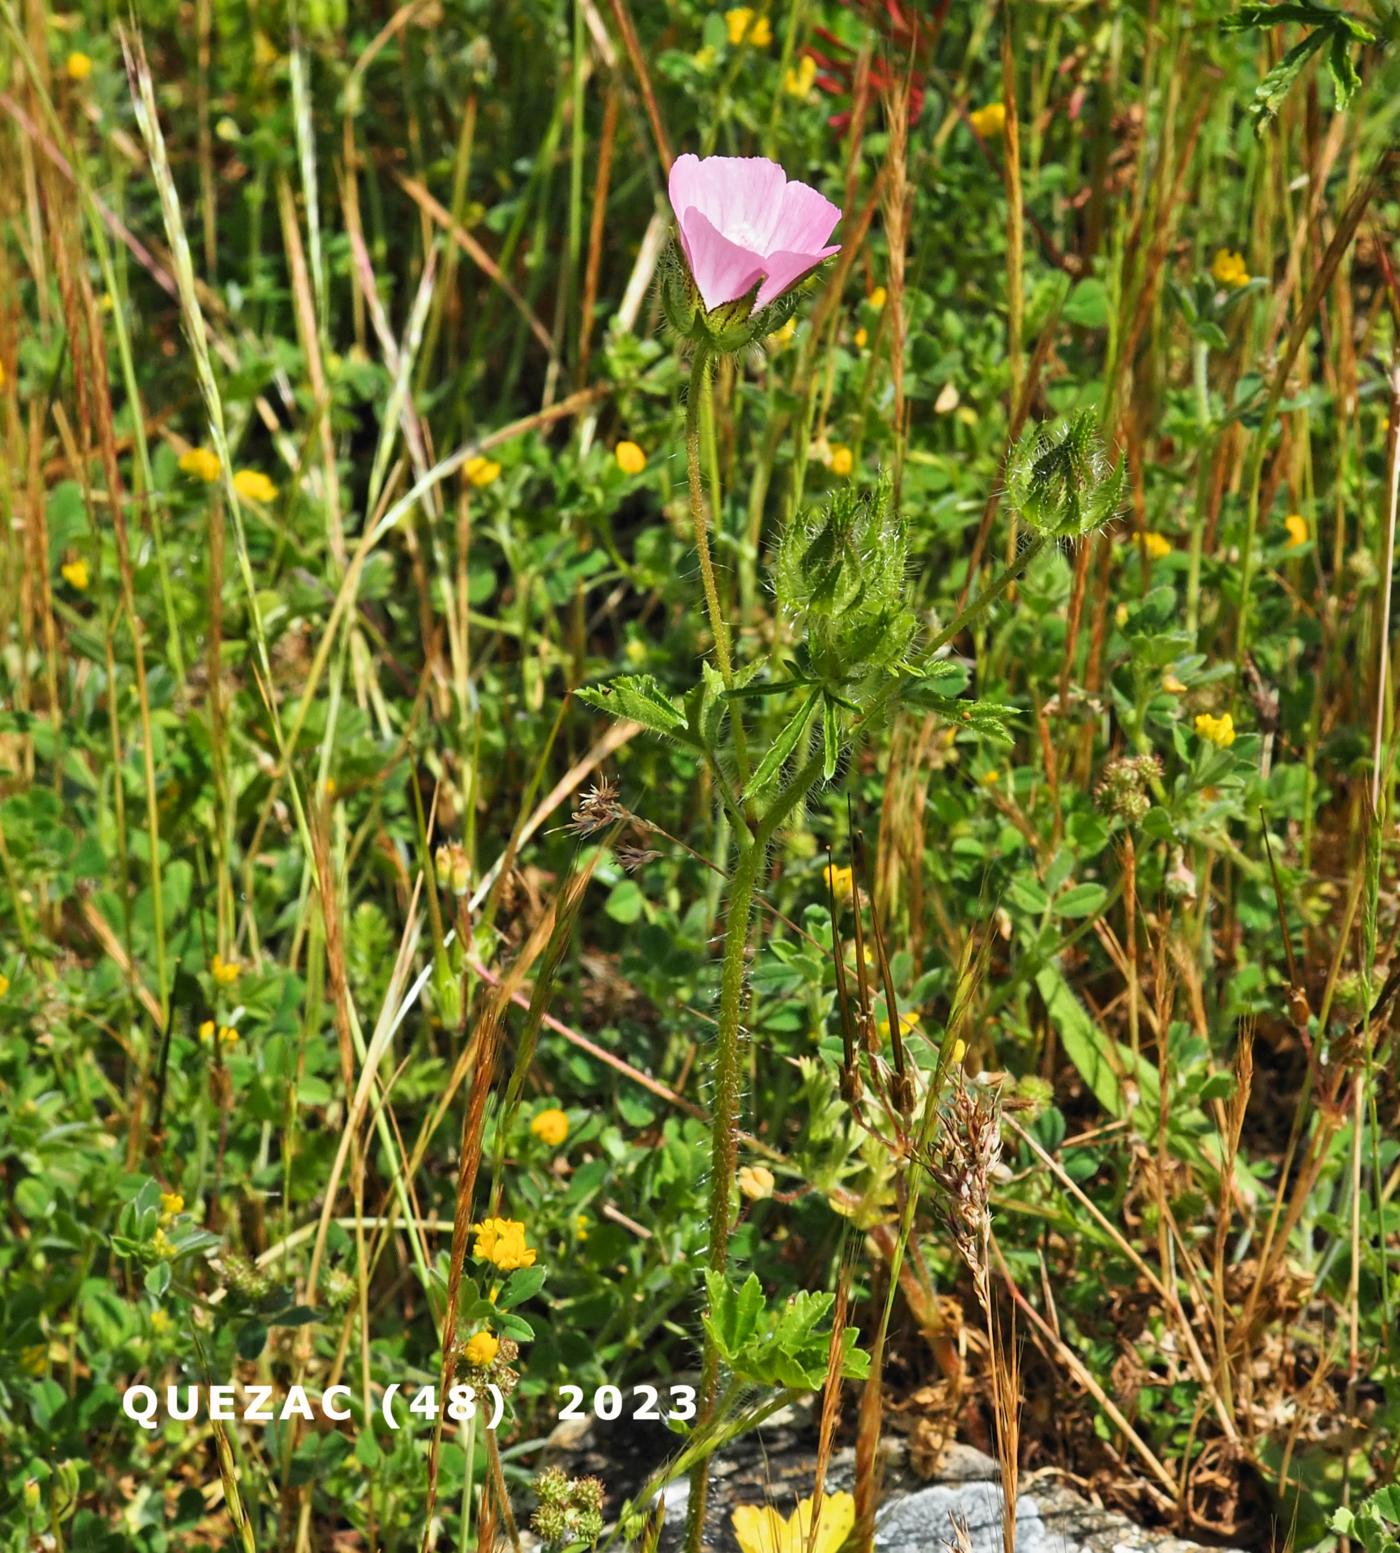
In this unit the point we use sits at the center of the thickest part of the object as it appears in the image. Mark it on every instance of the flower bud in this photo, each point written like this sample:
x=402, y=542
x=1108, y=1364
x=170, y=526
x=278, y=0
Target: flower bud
x=1059, y=480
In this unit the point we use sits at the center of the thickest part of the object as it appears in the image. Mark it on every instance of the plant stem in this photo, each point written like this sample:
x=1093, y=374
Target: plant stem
x=701, y=379
x=728, y=1069
x=984, y=601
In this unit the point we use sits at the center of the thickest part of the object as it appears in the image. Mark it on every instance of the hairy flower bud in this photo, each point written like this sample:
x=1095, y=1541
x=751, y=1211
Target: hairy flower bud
x=839, y=576
x=1059, y=480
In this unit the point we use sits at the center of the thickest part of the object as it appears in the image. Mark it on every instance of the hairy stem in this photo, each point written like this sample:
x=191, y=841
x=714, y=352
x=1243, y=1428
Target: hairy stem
x=701, y=380
x=984, y=601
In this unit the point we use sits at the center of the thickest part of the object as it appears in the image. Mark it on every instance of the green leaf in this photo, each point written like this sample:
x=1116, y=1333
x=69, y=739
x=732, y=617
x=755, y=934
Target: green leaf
x=639, y=698
x=1276, y=85
x=523, y=1284
x=831, y=738
x=780, y=751
x=734, y=1314
x=1099, y=1059
x=158, y=1279
x=1088, y=303
x=1082, y=900
x=1346, y=79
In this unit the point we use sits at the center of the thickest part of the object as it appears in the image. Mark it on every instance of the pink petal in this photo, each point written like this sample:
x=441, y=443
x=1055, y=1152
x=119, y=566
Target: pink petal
x=805, y=220
x=723, y=270
x=784, y=270
x=741, y=196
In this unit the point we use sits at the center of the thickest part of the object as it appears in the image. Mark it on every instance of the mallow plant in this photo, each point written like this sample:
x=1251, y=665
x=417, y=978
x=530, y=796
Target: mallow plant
x=848, y=650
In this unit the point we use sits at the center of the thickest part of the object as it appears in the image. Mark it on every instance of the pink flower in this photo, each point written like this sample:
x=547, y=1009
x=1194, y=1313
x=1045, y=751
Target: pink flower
x=742, y=221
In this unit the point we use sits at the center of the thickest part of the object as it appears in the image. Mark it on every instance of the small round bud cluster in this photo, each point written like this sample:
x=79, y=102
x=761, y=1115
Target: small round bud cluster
x=497, y=1372
x=241, y=1277
x=1059, y=480
x=337, y=1287
x=452, y=869
x=1121, y=791
x=570, y=1509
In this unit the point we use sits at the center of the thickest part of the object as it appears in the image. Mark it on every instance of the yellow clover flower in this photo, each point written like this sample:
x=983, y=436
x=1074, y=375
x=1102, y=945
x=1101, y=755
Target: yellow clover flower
x=254, y=485
x=745, y=27
x=481, y=1349
x=4, y=984
x=840, y=881
x=202, y=464
x=1155, y=545
x=862, y=338
x=502, y=1243
x=878, y=298
x=799, y=78
x=481, y=471
x=780, y=337
x=756, y=1182
x=1218, y=730
x=1228, y=268
x=990, y=121
x=225, y=972
x=78, y=66
x=171, y=1203
x=630, y=458
x=842, y=460
x=551, y=1127
x=1296, y=526
x=75, y=574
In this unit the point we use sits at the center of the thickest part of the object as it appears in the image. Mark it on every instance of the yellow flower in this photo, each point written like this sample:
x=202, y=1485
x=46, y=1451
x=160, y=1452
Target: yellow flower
x=4, y=984
x=160, y=1321
x=1227, y=268
x=481, y=471
x=745, y=27
x=202, y=464
x=761, y=1529
x=253, y=485
x=75, y=574
x=1297, y=526
x=862, y=338
x=842, y=460
x=481, y=1349
x=551, y=1127
x=799, y=78
x=1154, y=544
x=630, y=458
x=171, y=1203
x=704, y=57
x=840, y=881
x=990, y=777
x=228, y=1036
x=780, y=337
x=1120, y=615
x=225, y=972
x=162, y=1245
x=581, y=1224
x=958, y=1052
x=878, y=298
x=756, y=1182
x=1218, y=730
x=78, y=66
x=502, y=1243
x=908, y=1023
x=206, y=1031
x=989, y=122
x=1172, y=685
